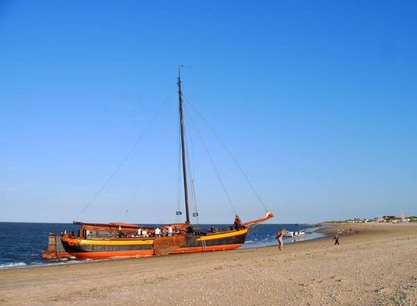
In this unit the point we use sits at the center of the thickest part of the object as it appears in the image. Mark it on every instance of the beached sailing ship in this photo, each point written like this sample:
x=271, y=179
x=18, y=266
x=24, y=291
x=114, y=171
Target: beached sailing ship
x=98, y=240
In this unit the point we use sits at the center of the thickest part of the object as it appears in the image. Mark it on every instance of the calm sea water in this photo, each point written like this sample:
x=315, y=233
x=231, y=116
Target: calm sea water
x=21, y=244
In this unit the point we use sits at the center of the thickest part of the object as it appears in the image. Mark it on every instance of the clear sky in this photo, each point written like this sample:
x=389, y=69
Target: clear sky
x=317, y=101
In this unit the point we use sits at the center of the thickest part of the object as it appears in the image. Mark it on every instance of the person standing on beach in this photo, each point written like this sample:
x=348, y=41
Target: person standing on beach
x=336, y=239
x=279, y=238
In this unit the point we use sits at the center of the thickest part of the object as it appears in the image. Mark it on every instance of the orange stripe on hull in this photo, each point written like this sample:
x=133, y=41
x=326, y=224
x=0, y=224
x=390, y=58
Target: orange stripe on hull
x=207, y=249
x=104, y=255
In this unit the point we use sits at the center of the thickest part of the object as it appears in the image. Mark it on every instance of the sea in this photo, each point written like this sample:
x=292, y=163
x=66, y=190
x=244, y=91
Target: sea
x=21, y=244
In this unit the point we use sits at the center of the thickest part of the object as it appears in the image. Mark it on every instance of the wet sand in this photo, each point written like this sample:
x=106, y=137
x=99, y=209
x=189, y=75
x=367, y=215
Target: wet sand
x=377, y=266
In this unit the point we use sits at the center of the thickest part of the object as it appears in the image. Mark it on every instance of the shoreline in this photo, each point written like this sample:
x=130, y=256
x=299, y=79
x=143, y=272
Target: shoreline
x=53, y=262
x=326, y=229
x=375, y=266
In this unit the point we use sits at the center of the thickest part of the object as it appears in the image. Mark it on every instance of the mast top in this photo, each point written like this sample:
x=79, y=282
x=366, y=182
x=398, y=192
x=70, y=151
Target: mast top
x=179, y=71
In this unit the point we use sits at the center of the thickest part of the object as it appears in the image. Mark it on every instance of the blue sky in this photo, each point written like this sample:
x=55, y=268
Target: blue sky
x=316, y=100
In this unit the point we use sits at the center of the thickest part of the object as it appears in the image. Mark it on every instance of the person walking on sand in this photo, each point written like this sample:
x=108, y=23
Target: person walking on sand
x=336, y=239
x=279, y=238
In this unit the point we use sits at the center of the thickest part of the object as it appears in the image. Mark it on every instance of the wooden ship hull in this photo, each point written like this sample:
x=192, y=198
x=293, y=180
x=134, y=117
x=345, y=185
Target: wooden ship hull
x=122, y=241
x=143, y=247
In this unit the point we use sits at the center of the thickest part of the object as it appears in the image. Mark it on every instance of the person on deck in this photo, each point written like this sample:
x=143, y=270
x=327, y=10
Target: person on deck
x=170, y=230
x=144, y=233
x=238, y=223
x=157, y=232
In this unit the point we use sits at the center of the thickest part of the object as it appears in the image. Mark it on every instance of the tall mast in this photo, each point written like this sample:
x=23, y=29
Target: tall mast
x=183, y=152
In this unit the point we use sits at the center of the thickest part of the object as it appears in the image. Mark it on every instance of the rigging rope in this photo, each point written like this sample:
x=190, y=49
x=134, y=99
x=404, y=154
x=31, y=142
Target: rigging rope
x=230, y=153
x=130, y=202
x=190, y=175
x=213, y=165
x=194, y=203
x=190, y=181
x=125, y=158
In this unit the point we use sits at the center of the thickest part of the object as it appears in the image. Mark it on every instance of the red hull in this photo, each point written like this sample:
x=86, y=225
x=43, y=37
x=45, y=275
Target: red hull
x=106, y=255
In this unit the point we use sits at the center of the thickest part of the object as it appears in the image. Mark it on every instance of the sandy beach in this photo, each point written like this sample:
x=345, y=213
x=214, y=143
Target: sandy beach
x=377, y=266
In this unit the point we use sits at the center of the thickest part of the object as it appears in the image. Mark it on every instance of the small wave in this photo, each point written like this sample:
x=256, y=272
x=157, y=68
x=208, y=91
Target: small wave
x=12, y=265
